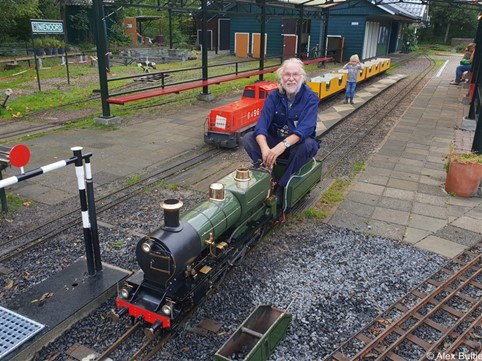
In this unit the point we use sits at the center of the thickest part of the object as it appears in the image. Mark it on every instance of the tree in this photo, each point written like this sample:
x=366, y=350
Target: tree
x=448, y=22
x=13, y=14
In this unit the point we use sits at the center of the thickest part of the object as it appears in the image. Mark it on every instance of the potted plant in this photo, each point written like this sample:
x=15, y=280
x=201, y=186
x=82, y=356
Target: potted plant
x=464, y=173
x=55, y=46
x=61, y=46
x=38, y=46
x=49, y=45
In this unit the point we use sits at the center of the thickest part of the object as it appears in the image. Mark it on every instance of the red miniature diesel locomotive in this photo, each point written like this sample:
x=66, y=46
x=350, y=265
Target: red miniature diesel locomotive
x=225, y=124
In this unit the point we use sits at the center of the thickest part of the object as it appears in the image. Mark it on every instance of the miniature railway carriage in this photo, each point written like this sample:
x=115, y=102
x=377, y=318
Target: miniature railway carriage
x=182, y=260
x=333, y=83
x=227, y=123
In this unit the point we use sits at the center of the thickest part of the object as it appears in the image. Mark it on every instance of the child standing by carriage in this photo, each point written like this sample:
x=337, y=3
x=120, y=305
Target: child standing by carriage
x=353, y=67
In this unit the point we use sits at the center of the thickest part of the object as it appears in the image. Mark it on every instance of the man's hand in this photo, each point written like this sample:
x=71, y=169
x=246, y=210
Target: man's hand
x=270, y=155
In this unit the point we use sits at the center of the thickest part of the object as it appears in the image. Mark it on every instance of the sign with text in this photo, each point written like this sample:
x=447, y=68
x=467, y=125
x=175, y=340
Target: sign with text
x=47, y=26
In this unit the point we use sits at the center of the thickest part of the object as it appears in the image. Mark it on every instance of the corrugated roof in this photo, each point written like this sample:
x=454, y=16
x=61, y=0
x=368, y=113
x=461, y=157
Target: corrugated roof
x=413, y=9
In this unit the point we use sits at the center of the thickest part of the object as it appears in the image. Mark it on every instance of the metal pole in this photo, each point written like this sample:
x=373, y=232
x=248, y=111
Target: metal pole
x=92, y=215
x=299, y=50
x=475, y=111
x=101, y=42
x=325, y=34
x=262, y=37
x=79, y=171
x=36, y=65
x=204, y=44
x=170, y=28
x=3, y=195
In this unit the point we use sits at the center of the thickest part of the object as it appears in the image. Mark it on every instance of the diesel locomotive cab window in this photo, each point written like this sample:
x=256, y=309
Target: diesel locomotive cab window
x=249, y=93
x=262, y=95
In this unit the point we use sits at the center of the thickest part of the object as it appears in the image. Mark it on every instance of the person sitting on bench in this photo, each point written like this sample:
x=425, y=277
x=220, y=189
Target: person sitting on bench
x=465, y=64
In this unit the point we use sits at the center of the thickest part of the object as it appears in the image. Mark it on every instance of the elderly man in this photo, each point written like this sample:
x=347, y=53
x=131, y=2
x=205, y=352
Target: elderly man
x=286, y=126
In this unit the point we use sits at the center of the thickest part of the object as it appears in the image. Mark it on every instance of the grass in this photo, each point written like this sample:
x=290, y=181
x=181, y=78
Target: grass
x=15, y=202
x=27, y=99
x=134, y=180
x=434, y=49
x=333, y=196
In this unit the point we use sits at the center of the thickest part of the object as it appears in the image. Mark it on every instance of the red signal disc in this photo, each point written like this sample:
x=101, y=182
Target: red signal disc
x=19, y=156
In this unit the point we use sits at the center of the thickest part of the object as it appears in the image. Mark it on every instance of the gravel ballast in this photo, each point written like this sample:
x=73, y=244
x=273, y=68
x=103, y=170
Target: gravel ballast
x=332, y=280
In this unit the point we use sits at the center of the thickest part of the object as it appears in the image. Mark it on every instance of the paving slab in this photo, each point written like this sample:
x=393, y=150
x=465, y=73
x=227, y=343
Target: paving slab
x=404, y=181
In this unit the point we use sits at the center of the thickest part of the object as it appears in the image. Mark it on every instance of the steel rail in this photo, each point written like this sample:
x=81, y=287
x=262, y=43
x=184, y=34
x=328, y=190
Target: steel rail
x=381, y=347
x=119, y=341
x=424, y=302
x=105, y=203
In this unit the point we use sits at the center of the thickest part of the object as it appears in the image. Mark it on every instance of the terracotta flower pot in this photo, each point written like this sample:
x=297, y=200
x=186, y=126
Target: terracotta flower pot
x=463, y=179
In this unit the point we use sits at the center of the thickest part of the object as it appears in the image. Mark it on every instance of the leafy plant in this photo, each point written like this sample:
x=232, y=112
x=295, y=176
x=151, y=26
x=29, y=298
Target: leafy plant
x=38, y=43
x=49, y=42
x=463, y=157
x=315, y=213
x=134, y=180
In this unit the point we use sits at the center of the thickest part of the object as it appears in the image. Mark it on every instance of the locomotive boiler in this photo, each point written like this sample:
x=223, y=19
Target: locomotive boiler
x=182, y=260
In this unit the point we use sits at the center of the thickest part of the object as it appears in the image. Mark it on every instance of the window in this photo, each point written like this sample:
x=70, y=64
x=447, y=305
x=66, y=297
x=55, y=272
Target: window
x=248, y=93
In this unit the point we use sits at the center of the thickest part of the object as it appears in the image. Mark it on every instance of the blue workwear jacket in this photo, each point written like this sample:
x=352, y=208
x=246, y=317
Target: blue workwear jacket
x=280, y=120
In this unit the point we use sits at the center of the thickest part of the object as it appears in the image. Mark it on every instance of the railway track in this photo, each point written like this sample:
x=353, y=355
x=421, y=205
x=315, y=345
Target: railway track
x=439, y=320
x=382, y=323
x=185, y=167
x=13, y=247
x=145, y=352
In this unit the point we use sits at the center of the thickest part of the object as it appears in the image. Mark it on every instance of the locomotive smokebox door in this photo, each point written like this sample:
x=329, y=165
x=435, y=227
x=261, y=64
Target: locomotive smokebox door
x=257, y=337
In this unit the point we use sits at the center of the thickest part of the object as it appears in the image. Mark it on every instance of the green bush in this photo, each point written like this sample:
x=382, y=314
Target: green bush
x=38, y=43
x=460, y=48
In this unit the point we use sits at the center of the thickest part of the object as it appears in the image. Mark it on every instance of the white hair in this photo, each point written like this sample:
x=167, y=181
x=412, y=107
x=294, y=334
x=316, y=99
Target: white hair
x=296, y=61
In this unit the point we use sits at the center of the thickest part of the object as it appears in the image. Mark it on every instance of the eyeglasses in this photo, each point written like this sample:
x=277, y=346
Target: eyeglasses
x=289, y=75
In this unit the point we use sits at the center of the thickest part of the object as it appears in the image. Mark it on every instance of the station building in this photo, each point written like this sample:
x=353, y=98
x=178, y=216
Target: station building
x=338, y=29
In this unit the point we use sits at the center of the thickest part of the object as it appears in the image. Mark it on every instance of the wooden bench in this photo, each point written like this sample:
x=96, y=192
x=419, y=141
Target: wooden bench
x=176, y=89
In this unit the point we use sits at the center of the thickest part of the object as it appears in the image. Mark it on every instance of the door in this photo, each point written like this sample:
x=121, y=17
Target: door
x=290, y=43
x=256, y=45
x=241, y=45
x=371, y=39
x=224, y=29
x=209, y=45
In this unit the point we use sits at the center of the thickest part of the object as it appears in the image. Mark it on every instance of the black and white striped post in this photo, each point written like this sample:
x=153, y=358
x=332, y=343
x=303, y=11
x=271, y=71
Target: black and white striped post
x=88, y=218
x=92, y=214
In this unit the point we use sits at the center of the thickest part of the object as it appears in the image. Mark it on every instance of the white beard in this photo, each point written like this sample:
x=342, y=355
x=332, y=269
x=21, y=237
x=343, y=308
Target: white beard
x=292, y=91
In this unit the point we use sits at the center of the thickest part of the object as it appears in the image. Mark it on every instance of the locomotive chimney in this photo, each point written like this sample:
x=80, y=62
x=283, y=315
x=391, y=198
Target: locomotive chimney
x=242, y=178
x=171, y=209
x=216, y=192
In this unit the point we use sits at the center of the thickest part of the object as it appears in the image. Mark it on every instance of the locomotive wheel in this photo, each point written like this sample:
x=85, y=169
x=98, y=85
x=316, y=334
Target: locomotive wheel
x=256, y=237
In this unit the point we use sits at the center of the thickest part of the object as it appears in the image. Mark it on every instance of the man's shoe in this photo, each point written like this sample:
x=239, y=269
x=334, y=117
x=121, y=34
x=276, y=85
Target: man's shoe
x=279, y=192
x=454, y=83
x=351, y=102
